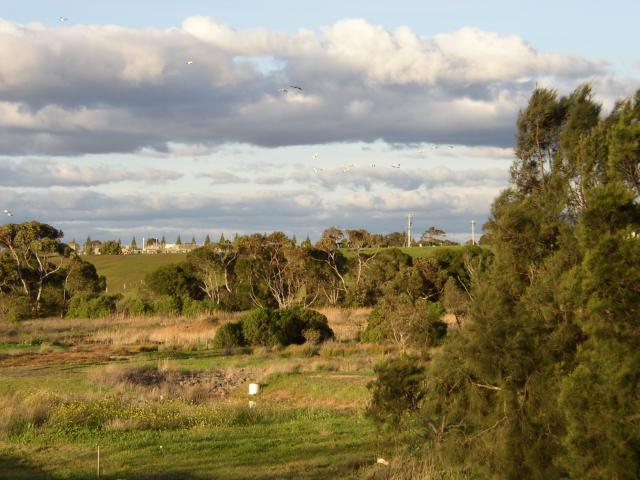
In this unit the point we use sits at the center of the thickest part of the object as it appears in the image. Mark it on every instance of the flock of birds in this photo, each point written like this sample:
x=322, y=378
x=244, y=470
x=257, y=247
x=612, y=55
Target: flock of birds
x=349, y=167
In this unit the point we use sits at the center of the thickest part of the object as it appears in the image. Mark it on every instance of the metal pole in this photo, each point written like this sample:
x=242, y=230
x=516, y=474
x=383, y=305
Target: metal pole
x=409, y=225
x=473, y=232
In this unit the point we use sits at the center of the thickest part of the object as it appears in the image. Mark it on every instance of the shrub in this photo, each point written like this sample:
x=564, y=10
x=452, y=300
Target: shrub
x=15, y=307
x=397, y=390
x=92, y=306
x=193, y=308
x=260, y=327
x=176, y=280
x=229, y=336
x=406, y=322
x=375, y=331
x=268, y=327
x=315, y=322
x=167, y=305
x=137, y=307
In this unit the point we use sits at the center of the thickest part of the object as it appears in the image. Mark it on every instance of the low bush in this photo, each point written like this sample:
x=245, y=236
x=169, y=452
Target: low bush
x=167, y=305
x=137, y=307
x=406, y=322
x=229, y=336
x=92, y=306
x=269, y=328
x=294, y=322
x=15, y=307
x=261, y=327
x=193, y=308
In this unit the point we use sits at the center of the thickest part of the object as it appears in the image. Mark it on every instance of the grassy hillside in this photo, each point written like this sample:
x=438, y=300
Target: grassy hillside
x=125, y=273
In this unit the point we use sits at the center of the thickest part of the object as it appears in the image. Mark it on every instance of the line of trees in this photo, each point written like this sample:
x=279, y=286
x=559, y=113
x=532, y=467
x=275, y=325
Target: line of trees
x=272, y=271
x=40, y=275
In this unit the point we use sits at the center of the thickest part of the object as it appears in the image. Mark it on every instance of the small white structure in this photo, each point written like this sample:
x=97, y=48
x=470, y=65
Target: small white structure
x=382, y=461
x=254, y=388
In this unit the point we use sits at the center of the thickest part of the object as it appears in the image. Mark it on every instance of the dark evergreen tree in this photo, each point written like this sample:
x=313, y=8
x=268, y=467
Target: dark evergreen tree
x=543, y=379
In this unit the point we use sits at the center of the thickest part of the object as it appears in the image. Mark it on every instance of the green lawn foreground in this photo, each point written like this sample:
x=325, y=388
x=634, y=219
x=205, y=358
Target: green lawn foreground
x=308, y=423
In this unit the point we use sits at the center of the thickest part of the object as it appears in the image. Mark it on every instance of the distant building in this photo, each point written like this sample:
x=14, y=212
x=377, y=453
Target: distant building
x=92, y=247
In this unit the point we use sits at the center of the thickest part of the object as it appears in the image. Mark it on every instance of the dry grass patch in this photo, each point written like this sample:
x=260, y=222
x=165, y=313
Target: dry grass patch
x=24, y=410
x=346, y=323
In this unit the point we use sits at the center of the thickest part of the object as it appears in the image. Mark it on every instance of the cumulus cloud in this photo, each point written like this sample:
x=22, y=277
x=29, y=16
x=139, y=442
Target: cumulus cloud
x=44, y=173
x=410, y=179
x=220, y=178
x=91, y=89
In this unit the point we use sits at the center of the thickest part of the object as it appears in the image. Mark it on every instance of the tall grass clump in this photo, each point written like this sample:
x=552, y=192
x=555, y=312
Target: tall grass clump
x=24, y=411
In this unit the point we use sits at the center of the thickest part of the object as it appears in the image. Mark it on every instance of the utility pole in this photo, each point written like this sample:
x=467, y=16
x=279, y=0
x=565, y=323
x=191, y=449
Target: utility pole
x=473, y=232
x=409, y=225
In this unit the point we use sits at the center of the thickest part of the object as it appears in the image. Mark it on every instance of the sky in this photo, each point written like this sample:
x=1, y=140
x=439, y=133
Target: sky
x=154, y=118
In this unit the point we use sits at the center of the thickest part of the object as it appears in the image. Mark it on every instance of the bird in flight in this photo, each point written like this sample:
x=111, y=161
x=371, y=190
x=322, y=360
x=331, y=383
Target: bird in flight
x=317, y=170
x=450, y=146
x=348, y=168
x=8, y=213
x=283, y=91
x=296, y=87
x=315, y=156
x=421, y=151
x=395, y=165
x=62, y=19
x=434, y=146
x=189, y=62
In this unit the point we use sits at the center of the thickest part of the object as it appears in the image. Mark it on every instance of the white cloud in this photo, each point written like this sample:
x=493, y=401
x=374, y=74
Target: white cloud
x=91, y=89
x=43, y=173
x=220, y=178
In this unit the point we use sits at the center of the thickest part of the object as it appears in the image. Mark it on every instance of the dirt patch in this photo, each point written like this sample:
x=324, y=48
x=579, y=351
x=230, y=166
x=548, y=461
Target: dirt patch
x=201, y=384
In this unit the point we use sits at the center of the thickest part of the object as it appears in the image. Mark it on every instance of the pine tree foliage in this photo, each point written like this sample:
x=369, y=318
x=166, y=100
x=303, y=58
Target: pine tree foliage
x=543, y=380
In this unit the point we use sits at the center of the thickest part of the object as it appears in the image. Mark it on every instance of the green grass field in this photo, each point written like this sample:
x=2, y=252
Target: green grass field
x=66, y=388
x=125, y=273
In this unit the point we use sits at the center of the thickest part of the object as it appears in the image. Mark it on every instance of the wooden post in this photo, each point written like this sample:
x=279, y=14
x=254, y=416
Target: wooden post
x=98, y=460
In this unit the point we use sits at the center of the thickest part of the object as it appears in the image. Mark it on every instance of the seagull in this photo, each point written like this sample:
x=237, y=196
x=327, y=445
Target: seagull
x=283, y=91
x=62, y=19
x=395, y=165
x=296, y=87
x=421, y=151
x=317, y=170
x=8, y=213
x=189, y=62
x=315, y=156
x=348, y=167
